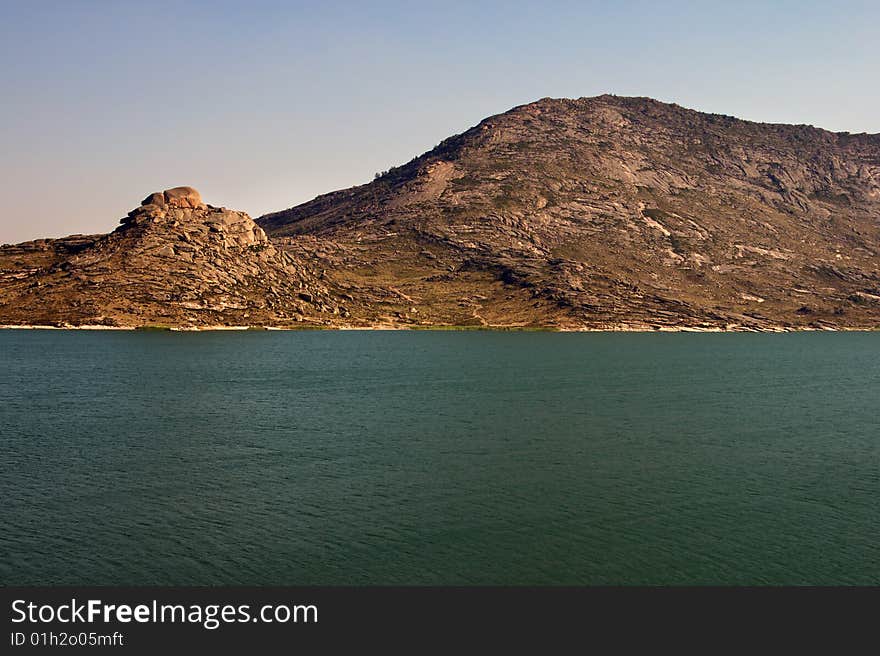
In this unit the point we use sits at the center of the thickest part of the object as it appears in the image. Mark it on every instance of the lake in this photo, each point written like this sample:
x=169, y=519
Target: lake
x=416, y=457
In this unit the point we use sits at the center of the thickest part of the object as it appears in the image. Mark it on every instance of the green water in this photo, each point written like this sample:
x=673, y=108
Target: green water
x=439, y=458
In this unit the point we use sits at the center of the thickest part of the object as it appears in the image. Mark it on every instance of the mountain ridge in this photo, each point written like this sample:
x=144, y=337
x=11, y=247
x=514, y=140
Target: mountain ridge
x=607, y=212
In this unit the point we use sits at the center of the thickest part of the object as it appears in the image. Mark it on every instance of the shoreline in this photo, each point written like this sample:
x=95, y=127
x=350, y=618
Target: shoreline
x=442, y=328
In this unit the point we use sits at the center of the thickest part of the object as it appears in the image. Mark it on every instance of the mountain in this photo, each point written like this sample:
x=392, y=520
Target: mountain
x=614, y=212
x=595, y=213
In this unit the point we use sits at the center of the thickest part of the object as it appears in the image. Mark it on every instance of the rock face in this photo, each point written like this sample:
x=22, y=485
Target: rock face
x=602, y=212
x=173, y=261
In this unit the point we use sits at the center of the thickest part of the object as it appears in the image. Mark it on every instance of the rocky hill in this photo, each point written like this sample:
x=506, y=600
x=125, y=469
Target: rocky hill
x=607, y=212
x=173, y=261
x=617, y=212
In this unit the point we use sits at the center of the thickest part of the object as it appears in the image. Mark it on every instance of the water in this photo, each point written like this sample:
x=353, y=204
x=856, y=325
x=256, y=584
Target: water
x=439, y=458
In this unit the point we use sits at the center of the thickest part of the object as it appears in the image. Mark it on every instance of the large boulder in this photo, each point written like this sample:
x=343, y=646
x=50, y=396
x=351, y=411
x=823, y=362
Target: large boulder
x=178, y=196
x=156, y=198
x=183, y=197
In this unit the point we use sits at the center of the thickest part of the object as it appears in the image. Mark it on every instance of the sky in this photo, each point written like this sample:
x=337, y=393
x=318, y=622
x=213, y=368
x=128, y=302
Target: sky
x=264, y=105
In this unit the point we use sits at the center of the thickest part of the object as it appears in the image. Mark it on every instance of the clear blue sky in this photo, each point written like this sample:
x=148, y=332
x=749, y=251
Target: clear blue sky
x=263, y=105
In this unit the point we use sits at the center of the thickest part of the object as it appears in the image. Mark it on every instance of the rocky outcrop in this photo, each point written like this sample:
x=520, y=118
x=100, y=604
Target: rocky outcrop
x=179, y=197
x=173, y=261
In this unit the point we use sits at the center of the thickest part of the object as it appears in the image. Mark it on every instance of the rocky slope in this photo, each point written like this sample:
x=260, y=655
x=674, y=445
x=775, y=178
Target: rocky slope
x=616, y=212
x=602, y=212
x=173, y=261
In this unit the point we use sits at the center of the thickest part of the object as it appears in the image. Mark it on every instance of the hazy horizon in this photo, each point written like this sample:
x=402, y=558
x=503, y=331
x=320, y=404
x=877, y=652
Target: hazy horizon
x=265, y=106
